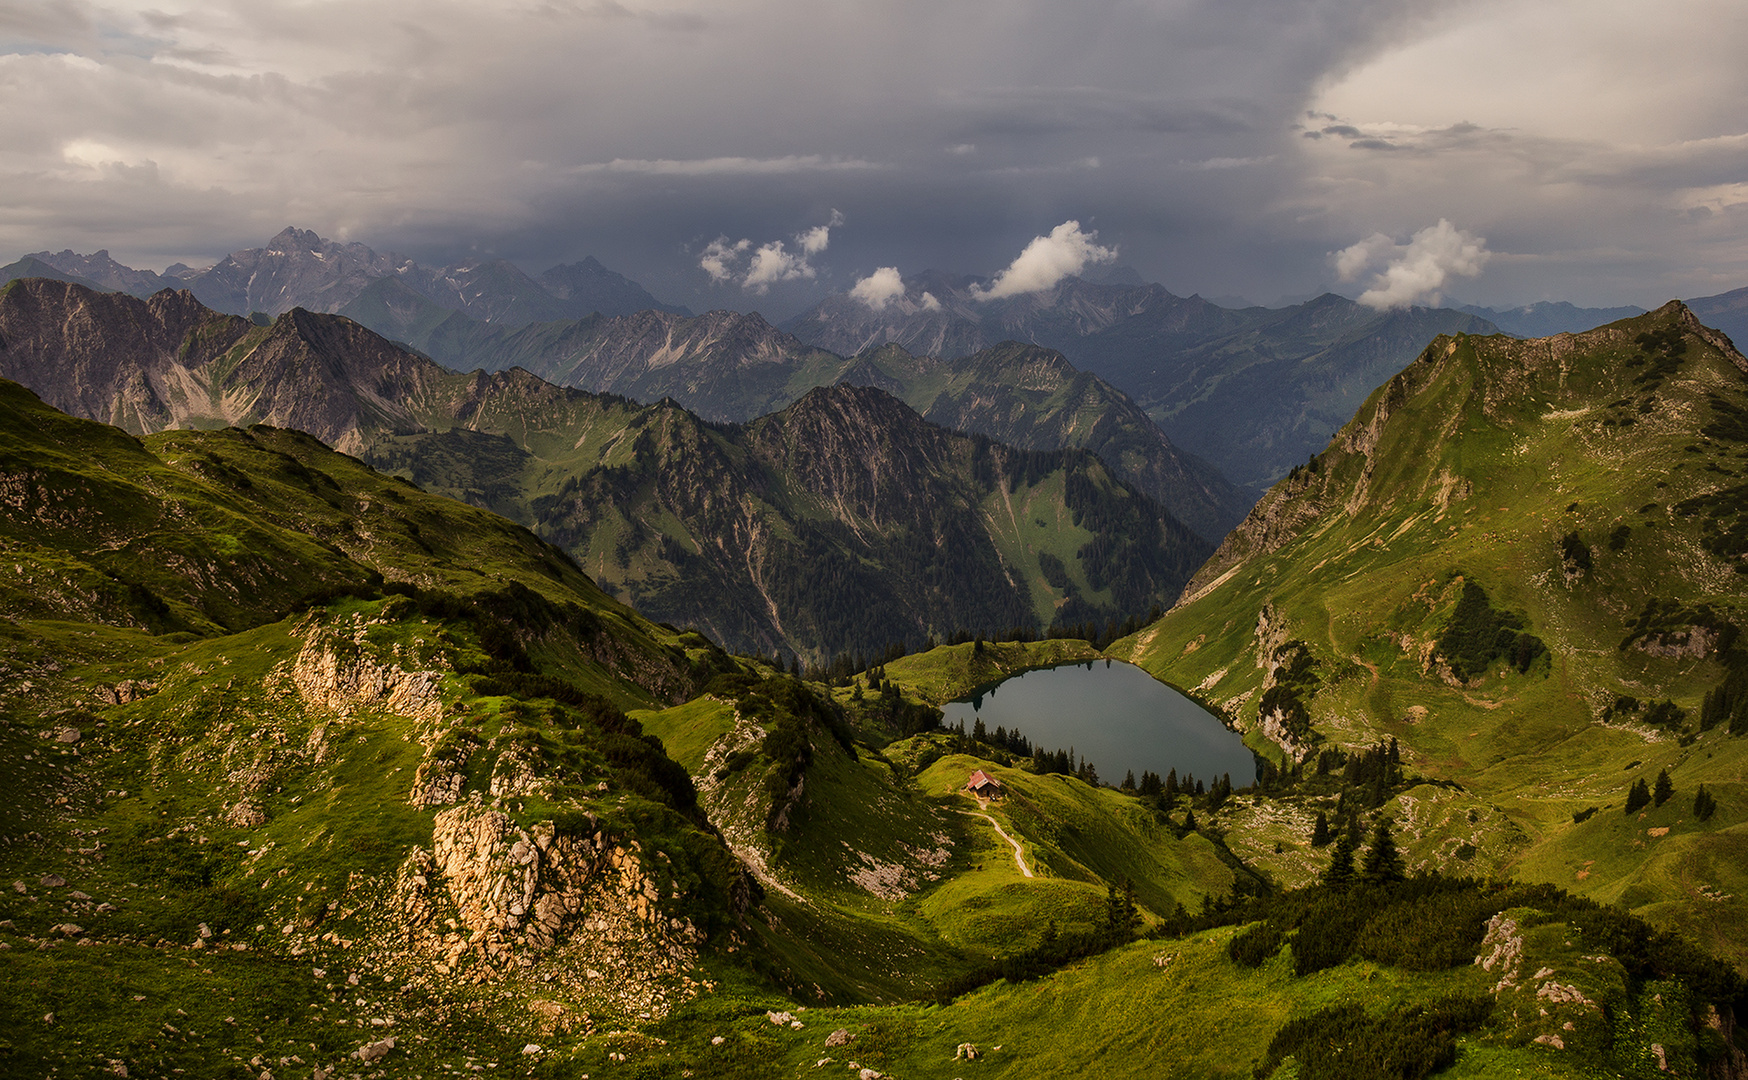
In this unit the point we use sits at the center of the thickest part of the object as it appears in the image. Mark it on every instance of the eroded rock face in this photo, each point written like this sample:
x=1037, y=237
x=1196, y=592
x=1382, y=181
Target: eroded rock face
x=334, y=674
x=1693, y=642
x=490, y=898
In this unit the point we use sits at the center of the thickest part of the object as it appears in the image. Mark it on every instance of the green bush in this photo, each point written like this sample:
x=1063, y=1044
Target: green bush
x=1343, y=1042
x=1477, y=635
x=1249, y=948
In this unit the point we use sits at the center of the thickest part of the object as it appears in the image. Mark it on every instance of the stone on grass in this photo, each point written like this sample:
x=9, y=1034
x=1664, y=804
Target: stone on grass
x=375, y=1051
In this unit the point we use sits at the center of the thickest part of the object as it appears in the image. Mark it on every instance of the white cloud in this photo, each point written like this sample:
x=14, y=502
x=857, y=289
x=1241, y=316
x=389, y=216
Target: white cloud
x=880, y=288
x=1046, y=261
x=1352, y=261
x=884, y=288
x=769, y=264
x=720, y=256
x=814, y=240
x=1416, y=270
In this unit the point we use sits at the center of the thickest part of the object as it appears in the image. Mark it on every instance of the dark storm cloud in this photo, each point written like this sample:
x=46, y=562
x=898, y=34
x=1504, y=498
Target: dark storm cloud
x=949, y=134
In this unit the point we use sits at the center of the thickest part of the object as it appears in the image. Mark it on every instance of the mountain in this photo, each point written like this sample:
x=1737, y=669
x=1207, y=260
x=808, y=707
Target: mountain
x=298, y=268
x=102, y=271
x=1253, y=391
x=731, y=367
x=941, y=315
x=1033, y=398
x=32, y=267
x=1726, y=311
x=723, y=365
x=589, y=288
x=1549, y=317
x=744, y=531
x=1521, y=561
x=846, y=521
x=1258, y=400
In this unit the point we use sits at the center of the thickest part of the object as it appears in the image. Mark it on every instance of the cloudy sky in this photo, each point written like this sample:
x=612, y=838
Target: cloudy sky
x=760, y=153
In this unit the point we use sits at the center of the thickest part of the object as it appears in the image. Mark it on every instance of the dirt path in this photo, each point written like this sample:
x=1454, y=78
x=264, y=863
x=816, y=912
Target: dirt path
x=1019, y=856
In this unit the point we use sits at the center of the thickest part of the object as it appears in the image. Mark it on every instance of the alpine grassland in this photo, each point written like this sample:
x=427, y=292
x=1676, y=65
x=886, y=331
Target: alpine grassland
x=1516, y=562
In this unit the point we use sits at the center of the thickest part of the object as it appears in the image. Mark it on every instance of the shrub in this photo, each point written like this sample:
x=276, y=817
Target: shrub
x=1249, y=948
x=1343, y=1042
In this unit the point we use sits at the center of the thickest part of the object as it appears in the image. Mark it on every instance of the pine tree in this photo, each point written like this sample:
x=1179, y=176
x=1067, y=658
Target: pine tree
x=1664, y=789
x=1383, y=863
x=1704, y=806
x=1714, y=708
x=1190, y=820
x=1171, y=783
x=1121, y=914
x=1340, y=872
x=1638, y=796
x=1320, y=831
x=1129, y=780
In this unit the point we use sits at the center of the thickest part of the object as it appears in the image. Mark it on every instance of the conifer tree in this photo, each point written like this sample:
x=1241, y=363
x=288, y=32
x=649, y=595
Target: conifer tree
x=1638, y=796
x=1383, y=863
x=1660, y=794
x=1171, y=783
x=1190, y=820
x=1704, y=805
x=1129, y=780
x=1340, y=872
x=1320, y=831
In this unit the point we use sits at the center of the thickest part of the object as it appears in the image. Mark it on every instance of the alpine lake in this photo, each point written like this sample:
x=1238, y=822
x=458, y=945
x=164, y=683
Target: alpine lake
x=1114, y=715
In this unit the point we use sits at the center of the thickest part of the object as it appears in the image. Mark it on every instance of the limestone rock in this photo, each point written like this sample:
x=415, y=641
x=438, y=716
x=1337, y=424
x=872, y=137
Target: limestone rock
x=375, y=1051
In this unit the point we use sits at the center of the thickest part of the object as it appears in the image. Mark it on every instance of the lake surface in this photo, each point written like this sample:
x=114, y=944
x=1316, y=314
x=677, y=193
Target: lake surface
x=1114, y=715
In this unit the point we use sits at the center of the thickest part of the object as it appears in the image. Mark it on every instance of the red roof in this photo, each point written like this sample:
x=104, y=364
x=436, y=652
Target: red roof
x=980, y=779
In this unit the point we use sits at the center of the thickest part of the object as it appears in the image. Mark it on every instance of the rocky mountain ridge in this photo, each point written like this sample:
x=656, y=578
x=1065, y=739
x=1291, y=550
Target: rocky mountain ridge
x=1517, y=561
x=696, y=523
x=298, y=268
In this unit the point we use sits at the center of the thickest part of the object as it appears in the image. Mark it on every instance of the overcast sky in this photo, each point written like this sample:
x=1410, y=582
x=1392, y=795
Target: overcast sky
x=1501, y=153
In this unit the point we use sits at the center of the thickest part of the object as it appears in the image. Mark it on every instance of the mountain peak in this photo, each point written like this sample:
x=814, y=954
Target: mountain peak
x=292, y=236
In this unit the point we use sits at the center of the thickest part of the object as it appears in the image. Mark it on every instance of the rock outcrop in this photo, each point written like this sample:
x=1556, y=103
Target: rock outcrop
x=491, y=898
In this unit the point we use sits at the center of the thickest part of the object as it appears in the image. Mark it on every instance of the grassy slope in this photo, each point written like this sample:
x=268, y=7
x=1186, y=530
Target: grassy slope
x=1488, y=451
x=233, y=542
x=1121, y=1014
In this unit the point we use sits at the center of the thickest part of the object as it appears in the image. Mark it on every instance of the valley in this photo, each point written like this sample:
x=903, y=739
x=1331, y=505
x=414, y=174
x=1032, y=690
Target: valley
x=323, y=767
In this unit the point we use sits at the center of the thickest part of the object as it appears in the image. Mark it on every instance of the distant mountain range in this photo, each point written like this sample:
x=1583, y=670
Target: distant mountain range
x=730, y=367
x=844, y=522
x=298, y=268
x=1254, y=391
x=1548, y=318
x=1242, y=395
